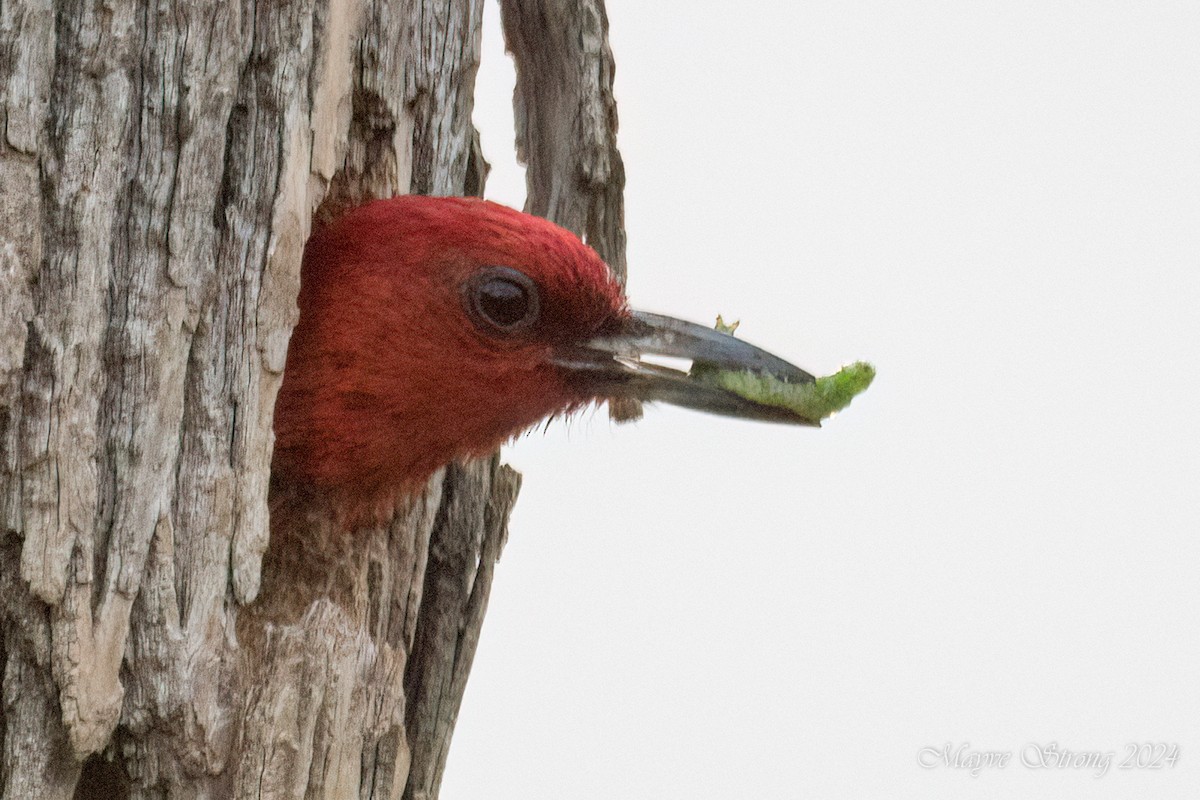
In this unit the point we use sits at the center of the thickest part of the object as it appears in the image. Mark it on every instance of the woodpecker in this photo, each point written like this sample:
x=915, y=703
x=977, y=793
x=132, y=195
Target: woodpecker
x=436, y=328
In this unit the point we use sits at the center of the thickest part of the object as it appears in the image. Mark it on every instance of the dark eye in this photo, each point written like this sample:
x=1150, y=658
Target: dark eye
x=502, y=299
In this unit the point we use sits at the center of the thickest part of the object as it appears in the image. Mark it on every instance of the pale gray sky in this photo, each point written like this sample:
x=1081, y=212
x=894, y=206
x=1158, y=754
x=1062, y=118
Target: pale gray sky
x=995, y=547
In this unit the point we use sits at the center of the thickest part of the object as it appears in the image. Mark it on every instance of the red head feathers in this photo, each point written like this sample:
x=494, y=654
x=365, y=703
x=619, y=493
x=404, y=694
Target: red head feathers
x=433, y=329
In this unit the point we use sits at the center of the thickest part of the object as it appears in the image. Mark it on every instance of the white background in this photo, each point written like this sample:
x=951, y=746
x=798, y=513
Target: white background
x=996, y=203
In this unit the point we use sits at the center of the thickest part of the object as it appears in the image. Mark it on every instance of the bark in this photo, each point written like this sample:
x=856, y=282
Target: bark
x=566, y=119
x=170, y=626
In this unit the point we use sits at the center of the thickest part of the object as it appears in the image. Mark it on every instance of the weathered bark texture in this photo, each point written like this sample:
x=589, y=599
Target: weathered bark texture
x=166, y=629
x=566, y=119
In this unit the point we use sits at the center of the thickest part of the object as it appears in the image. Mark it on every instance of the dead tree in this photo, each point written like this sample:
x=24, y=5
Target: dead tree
x=161, y=636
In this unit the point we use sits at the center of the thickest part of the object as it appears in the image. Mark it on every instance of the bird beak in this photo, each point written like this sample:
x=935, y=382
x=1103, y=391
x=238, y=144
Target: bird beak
x=612, y=367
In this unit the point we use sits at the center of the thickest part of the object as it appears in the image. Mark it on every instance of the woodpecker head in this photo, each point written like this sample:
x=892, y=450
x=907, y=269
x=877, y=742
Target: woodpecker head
x=433, y=329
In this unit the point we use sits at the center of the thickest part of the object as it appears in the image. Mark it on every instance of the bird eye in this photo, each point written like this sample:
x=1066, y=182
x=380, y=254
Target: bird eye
x=502, y=299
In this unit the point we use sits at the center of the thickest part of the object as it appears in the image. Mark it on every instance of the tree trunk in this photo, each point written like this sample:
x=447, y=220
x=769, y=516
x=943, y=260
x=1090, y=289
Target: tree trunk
x=169, y=625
